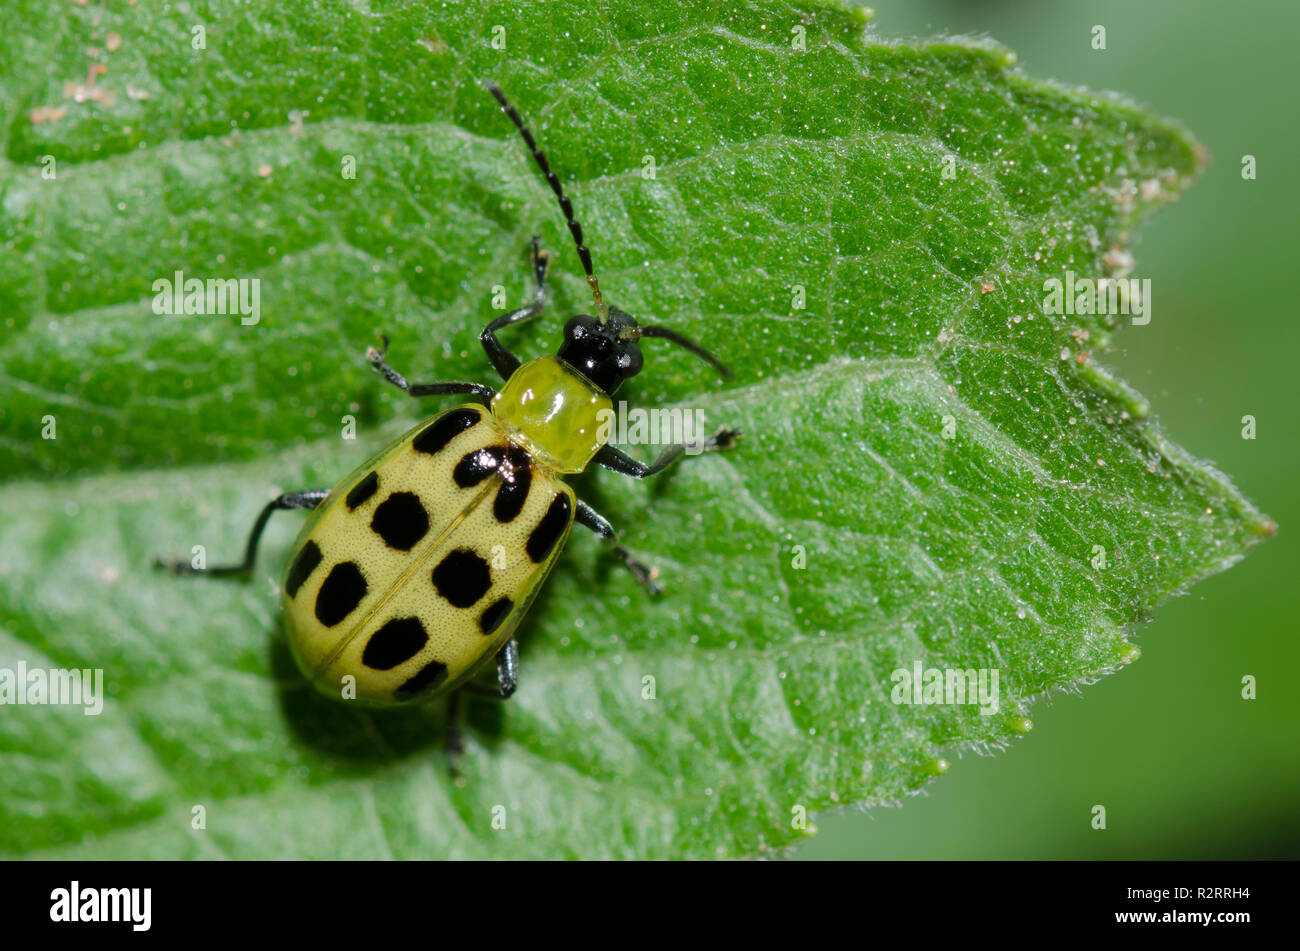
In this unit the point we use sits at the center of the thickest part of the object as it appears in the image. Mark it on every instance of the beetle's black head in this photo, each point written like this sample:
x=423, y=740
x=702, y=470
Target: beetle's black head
x=605, y=353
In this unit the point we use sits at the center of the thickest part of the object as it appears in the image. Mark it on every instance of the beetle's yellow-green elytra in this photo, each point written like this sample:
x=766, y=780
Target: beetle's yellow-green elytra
x=418, y=567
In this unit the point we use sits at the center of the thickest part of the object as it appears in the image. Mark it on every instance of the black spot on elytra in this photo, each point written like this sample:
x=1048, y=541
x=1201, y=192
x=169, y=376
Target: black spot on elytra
x=424, y=682
x=478, y=465
x=342, y=591
x=308, y=558
x=362, y=490
x=512, y=495
x=462, y=577
x=395, y=643
x=400, y=520
x=491, y=619
x=444, y=430
x=549, y=529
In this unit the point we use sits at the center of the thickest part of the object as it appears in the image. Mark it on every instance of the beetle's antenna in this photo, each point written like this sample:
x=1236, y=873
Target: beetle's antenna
x=566, y=206
x=687, y=344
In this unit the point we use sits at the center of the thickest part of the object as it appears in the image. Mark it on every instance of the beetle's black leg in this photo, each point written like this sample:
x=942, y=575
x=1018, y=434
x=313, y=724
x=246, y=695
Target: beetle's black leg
x=376, y=358
x=502, y=359
x=507, y=674
x=541, y=262
x=613, y=458
x=507, y=680
x=508, y=668
x=588, y=517
x=455, y=743
x=289, y=500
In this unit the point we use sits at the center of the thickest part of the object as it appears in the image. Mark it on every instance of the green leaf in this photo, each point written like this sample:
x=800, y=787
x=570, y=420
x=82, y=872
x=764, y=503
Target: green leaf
x=930, y=468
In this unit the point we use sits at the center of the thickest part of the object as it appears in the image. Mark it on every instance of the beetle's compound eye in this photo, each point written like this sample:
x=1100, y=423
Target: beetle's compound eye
x=629, y=361
x=579, y=327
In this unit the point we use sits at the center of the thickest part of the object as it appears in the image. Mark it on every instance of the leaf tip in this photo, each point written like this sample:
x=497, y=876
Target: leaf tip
x=1264, y=527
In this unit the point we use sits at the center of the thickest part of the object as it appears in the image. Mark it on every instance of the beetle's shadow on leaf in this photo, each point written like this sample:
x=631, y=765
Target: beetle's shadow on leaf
x=368, y=401
x=359, y=738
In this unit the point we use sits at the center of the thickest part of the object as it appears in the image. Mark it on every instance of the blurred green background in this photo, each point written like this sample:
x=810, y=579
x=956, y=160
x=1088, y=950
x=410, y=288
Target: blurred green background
x=1183, y=765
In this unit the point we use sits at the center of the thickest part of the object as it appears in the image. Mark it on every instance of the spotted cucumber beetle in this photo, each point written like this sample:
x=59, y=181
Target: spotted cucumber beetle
x=416, y=570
